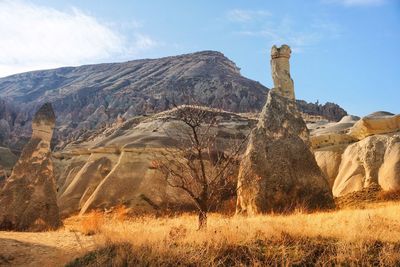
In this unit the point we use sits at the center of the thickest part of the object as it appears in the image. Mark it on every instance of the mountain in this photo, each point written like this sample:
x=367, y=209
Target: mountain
x=93, y=96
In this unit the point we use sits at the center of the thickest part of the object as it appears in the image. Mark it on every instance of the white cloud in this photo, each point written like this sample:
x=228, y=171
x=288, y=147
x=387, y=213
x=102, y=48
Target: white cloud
x=144, y=42
x=38, y=37
x=241, y=15
x=285, y=30
x=350, y=3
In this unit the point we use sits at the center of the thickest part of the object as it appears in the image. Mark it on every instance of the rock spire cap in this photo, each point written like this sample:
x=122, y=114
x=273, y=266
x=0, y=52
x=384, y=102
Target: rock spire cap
x=45, y=114
x=283, y=51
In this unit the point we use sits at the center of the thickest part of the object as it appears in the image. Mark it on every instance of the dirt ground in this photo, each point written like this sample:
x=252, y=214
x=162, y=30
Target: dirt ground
x=42, y=249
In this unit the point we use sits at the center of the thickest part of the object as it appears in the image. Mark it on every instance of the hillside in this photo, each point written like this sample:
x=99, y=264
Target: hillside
x=91, y=96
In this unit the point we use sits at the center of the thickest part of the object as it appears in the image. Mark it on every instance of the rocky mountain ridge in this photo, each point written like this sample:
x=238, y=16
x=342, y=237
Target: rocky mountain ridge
x=94, y=96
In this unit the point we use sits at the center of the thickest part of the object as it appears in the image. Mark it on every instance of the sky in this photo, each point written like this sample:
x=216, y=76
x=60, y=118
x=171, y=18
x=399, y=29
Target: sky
x=344, y=51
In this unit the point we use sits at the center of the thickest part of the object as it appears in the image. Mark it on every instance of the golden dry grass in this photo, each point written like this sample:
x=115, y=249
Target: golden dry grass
x=92, y=223
x=367, y=236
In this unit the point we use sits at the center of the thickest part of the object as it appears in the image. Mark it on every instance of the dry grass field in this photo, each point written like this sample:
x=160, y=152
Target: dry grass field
x=368, y=236
x=351, y=236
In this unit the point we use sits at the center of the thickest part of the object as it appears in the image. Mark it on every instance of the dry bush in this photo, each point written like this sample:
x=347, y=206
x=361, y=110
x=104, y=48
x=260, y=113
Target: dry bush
x=366, y=237
x=121, y=213
x=92, y=223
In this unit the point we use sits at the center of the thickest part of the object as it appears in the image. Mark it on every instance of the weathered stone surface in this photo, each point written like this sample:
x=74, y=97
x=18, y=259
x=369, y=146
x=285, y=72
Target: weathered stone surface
x=378, y=123
x=28, y=198
x=353, y=165
x=329, y=161
x=7, y=158
x=85, y=182
x=280, y=68
x=331, y=139
x=279, y=171
x=134, y=183
x=3, y=176
x=389, y=172
x=131, y=148
x=371, y=161
x=326, y=127
x=7, y=161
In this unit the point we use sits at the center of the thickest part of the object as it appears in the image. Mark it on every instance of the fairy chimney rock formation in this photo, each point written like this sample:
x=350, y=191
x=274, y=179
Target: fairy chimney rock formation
x=280, y=69
x=28, y=199
x=278, y=171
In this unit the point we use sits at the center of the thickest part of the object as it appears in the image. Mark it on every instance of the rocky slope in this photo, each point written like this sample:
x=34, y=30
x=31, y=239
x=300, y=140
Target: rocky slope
x=93, y=96
x=114, y=167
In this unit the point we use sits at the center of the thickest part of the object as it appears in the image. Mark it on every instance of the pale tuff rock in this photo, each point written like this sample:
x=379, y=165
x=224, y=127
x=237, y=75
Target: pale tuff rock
x=357, y=154
x=280, y=68
x=373, y=160
x=28, y=199
x=375, y=124
x=134, y=183
x=329, y=162
x=84, y=182
x=331, y=139
x=278, y=171
x=115, y=167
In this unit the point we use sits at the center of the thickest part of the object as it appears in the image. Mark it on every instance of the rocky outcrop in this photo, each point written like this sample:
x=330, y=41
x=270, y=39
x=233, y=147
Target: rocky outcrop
x=375, y=124
x=356, y=154
x=374, y=160
x=28, y=198
x=325, y=134
x=278, y=171
x=329, y=111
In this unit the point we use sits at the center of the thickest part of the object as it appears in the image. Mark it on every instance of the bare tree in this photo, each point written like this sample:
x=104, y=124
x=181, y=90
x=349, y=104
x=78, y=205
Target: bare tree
x=200, y=164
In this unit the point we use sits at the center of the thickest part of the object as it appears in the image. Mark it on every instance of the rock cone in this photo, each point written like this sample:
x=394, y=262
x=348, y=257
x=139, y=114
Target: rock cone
x=279, y=171
x=28, y=198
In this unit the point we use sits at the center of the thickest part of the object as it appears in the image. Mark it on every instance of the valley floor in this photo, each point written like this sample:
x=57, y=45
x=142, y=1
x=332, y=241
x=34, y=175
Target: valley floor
x=42, y=249
x=368, y=236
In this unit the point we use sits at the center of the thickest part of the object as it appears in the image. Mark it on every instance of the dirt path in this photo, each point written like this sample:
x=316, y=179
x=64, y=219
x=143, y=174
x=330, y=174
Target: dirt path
x=42, y=249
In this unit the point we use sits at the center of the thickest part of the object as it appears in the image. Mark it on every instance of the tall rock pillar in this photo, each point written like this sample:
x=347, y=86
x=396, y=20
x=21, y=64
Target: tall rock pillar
x=280, y=68
x=28, y=199
x=278, y=171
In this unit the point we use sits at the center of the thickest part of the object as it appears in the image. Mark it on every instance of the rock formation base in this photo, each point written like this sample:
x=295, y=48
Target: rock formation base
x=279, y=171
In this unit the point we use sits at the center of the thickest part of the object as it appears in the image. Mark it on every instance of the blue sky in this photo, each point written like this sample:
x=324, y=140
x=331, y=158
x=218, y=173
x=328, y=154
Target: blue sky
x=344, y=51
